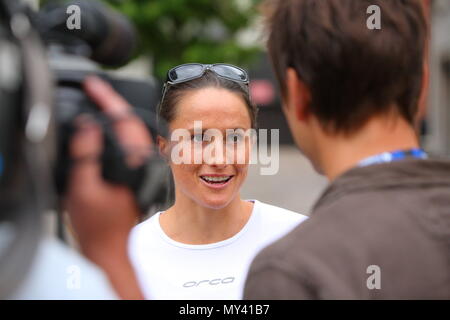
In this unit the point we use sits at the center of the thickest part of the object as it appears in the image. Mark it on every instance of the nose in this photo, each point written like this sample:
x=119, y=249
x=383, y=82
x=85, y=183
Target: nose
x=215, y=156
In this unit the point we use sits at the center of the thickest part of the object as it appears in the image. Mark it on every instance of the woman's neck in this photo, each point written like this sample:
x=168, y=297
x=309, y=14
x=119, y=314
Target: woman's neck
x=190, y=223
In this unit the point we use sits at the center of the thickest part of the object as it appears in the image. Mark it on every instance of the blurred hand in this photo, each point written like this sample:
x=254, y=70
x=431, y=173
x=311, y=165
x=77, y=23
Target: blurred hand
x=102, y=214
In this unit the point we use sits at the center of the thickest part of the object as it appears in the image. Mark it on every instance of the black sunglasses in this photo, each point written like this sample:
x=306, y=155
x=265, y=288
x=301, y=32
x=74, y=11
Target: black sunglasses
x=190, y=71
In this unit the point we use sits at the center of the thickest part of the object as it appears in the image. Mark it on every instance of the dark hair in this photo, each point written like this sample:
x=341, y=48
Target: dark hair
x=352, y=72
x=167, y=110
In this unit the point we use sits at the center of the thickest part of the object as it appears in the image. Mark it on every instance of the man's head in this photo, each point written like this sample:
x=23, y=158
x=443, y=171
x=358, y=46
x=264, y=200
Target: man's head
x=335, y=73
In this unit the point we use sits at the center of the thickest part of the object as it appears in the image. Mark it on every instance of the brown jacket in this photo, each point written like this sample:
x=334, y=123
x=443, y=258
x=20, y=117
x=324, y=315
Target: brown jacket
x=377, y=232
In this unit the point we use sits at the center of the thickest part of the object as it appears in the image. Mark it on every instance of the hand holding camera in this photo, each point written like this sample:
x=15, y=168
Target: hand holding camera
x=101, y=212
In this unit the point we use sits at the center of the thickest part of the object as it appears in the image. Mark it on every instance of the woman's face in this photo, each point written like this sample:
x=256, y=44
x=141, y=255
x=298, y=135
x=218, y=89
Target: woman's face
x=218, y=163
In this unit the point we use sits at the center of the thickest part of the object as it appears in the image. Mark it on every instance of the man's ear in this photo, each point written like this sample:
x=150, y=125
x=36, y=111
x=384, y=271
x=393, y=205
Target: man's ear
x=423, y=99
x=298, y=95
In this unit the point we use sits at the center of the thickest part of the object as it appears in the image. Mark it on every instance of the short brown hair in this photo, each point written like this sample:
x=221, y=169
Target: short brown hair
x=353, y=72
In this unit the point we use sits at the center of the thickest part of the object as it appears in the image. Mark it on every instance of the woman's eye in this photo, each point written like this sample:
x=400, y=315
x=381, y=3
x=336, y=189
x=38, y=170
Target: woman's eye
x=197, y=138
x=234, y=138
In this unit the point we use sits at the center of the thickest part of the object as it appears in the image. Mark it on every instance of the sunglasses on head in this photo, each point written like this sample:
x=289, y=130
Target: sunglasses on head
x=191, y=71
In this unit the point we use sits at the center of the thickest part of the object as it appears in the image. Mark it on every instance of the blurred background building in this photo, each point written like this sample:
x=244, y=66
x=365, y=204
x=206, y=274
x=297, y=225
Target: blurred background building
x=437, y=138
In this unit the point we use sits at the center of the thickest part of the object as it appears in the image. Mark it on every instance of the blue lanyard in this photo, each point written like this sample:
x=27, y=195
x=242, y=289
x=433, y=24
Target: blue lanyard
x=393, y=156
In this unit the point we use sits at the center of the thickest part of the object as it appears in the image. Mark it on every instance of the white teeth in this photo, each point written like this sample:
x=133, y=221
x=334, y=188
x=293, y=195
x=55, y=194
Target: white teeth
x=216, y=179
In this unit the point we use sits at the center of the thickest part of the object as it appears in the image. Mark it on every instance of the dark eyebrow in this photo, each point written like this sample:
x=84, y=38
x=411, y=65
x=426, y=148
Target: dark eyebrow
x=191, y=131
x=239, y=129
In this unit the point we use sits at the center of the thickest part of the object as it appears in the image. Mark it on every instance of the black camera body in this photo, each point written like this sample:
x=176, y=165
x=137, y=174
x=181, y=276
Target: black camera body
x=71, y=102
x=104, y=38
x=42, y=67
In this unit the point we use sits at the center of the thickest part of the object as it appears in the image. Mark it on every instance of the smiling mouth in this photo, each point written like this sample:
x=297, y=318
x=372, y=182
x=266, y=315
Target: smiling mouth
x=216, y=179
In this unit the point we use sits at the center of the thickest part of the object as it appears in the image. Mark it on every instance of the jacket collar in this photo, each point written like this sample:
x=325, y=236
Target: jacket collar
x=407, y=173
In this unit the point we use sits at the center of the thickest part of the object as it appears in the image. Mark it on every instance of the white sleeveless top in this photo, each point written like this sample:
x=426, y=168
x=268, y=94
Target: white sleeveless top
x=167, y=269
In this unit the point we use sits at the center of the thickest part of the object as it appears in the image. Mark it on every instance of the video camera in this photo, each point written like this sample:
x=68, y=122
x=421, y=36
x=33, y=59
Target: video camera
x=42, y=66
x=109, y=39
x=103, y=37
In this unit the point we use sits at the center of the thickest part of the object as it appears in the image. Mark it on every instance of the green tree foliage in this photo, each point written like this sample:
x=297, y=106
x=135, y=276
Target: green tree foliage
x=173, y=32
x=180, y=31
